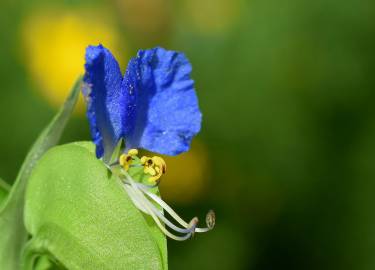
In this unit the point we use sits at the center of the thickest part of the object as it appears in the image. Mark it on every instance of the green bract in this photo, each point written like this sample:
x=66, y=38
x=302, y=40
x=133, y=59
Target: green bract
x=79, y=215
x=13, y=233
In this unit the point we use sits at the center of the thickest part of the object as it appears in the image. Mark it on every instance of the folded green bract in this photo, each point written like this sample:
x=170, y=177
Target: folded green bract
x=12, y=229
x=79, y=213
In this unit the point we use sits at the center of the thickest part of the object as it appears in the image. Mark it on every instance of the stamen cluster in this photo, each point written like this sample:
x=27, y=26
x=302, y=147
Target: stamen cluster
x=145, y=198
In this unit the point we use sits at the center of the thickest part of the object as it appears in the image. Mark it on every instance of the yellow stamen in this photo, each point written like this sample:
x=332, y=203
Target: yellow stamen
x=127, y=159
x=160, y=163
x=150, y=171
x=145, y=160
x=154, y=166
x=133, y=152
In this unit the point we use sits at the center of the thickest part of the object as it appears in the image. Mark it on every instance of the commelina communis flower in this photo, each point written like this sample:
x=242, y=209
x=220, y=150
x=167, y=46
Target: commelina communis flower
x=154, y=107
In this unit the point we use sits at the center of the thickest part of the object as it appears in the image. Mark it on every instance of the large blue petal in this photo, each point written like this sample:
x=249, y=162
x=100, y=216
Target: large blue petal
x=105, y=99
x=167, y=114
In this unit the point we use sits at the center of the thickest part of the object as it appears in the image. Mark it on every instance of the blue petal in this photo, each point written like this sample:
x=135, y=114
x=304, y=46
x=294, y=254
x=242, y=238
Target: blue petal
x=105, y=99
x=167, y=114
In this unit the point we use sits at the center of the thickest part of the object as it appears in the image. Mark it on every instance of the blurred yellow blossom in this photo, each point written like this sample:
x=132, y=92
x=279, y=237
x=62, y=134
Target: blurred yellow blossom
x=54, y=41
x=188, y=174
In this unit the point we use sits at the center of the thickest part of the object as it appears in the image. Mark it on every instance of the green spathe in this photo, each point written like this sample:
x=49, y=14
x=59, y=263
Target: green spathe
x=78, y=213
x=13, y=233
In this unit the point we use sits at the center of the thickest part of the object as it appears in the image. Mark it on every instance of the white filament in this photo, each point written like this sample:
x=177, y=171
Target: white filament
x=138, y=192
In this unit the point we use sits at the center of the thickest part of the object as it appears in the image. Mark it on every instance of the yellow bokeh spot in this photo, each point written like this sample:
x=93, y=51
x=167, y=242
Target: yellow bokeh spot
x=54, y=42
x=212, y=16
x=187, y=177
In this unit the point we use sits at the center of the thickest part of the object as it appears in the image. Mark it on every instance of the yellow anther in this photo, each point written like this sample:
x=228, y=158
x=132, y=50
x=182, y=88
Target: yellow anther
x=127, y=159
x=133, y=152
x=147, y=161
x=149, y=170
x=160, y=163
x=148, y=165
x=154, y=166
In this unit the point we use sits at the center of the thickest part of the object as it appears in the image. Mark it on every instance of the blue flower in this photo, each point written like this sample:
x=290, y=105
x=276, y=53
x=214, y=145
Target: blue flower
x=153, y=107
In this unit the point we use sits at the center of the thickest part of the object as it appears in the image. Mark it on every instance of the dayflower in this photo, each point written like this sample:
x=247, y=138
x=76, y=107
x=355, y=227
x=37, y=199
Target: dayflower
x=153, y=107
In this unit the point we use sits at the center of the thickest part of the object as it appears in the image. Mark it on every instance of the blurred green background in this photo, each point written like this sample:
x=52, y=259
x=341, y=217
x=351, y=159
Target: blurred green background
x=287, y=152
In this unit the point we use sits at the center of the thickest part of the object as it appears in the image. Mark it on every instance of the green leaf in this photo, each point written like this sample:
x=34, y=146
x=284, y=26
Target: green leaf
x=4, y=190
x=79, y=214
x=13, y=233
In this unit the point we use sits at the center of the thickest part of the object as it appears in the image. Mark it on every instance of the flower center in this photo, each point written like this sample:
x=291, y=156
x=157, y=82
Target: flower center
x=146, y=200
